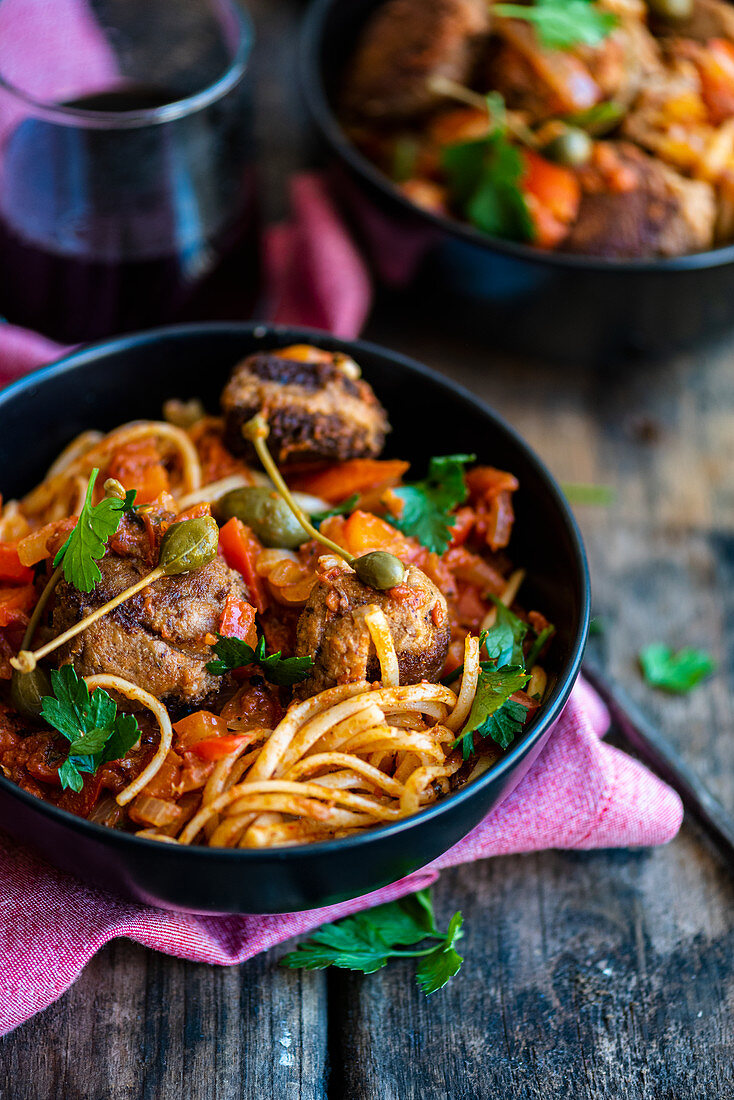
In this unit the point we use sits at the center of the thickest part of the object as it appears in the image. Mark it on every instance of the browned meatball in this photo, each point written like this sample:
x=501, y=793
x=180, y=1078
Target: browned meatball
x=405, y=44
x=157, y=639
x=317, y=406
x=331, y=630
x=709, y=19
x=663, y=215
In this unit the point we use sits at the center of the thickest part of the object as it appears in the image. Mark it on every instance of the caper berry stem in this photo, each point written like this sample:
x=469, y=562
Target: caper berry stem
x=257, y=431
x=443, y=85
x=26, y=660
x=43, y=599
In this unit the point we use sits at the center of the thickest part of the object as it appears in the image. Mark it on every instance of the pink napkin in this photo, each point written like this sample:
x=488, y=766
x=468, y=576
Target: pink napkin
x=580, y=793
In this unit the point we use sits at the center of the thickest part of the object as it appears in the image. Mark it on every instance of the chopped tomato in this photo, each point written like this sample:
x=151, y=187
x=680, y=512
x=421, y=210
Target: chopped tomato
x=463, y=526
x=344, y=479
x=203, y=508
x=553, y=195
x=11, y=567
x=490, y=492
x=202, y=725
x=15, y=603
x=256, y=705
x=218, y=747
x=240, y=549
x=238, y=620
x=470, y=607
x=166, y=783
x=715, y=64
x=486, y=481
x=138, y=465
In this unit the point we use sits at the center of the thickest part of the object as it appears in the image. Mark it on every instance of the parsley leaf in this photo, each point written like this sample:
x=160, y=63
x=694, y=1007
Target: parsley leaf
x=438, y=968
x=427, y=504
x=678, y=672
x=503, y=641
x=537, y=646
x=494, y=689
x=366, y=941
x=87, y=541
x=579, y=493
x=484, y=178
x=561, y=24
x=348, y=505
x=95, y=731
x=283, y=671
x=505, y=724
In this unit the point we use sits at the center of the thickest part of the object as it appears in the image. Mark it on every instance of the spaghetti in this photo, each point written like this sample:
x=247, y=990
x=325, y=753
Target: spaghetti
x=265, y=766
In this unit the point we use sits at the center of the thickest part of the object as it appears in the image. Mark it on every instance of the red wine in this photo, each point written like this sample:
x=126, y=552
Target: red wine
x=109, y=230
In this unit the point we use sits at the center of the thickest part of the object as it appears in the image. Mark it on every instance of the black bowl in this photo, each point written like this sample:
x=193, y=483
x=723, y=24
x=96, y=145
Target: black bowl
x=516, y=296
x=130, y=377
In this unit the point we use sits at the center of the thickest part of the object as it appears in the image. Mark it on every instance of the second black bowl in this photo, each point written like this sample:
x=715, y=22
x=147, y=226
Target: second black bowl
x=129, y=378
x=510, y=295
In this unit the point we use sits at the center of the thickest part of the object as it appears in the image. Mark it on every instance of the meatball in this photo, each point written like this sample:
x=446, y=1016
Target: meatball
x=662, y=215
x=156, y=639
x=404, y=45
x=317, y=406
x=332, y=632
x=709, y=19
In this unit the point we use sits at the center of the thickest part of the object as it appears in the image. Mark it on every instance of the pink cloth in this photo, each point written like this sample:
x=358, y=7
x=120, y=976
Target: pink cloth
x=42, y=42
x=580, y=793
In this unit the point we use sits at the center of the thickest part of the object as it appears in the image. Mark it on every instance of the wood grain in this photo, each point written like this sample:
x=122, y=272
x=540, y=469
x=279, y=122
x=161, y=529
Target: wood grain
x=588, y=975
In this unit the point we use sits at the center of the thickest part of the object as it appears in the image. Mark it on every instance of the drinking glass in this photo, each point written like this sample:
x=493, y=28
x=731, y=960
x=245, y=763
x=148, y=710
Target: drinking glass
x=126, y=168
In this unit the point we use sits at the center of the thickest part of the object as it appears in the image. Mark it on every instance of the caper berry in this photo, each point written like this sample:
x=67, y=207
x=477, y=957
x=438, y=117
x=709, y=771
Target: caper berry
x=571, y=147
x=380, y=570
x=189, y=545
x=27, y=690
x=672, y=11
x=266, y=513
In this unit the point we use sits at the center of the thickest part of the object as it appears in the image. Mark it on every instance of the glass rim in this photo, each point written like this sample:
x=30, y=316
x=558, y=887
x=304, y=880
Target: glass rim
x=151, y=116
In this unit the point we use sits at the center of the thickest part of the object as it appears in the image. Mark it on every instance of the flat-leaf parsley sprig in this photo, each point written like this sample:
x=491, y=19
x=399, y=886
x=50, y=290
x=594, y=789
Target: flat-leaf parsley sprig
x=494, y=713
x=563, y=24
x=366, y=941
x=91, y=724
x=675, y=672
x=233, y=653
x=427, y=504
x=88, y=539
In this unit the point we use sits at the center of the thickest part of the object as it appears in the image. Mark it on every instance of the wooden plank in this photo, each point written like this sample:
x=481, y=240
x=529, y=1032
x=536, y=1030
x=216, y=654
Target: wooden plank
x=141, y=1025
x=600, y=974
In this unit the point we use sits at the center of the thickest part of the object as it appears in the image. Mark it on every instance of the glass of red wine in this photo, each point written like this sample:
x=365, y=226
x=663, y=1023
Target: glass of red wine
x=126, y=168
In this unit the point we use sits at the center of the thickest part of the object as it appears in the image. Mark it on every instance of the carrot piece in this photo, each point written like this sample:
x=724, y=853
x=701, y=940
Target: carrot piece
x=240, y=548
x=11, y=567
x=203, y=508
x=553, y=195
x=137, y=465
x=364, y=531
x=238, y=620
x=14, y=603
x=344, y=479
x=202, y=725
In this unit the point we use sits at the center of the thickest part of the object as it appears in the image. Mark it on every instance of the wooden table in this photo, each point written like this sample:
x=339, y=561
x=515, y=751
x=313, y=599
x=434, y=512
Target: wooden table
x=594, y=975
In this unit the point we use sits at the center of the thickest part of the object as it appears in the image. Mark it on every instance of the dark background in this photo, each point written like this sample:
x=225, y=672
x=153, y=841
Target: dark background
x=587, y=975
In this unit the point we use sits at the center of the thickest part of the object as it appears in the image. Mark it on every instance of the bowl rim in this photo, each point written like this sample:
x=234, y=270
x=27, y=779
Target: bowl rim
x=99, y=351
x=311, y=77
